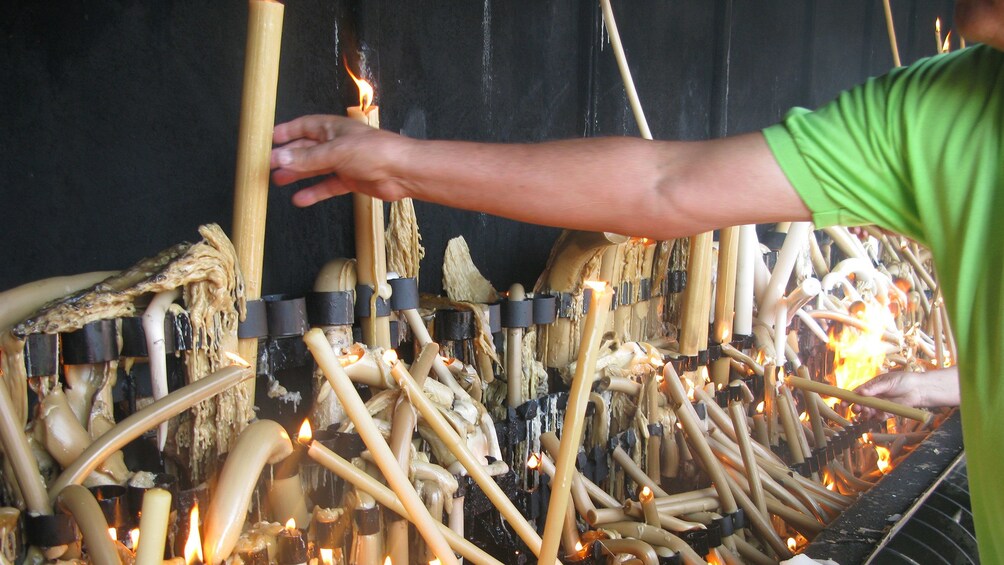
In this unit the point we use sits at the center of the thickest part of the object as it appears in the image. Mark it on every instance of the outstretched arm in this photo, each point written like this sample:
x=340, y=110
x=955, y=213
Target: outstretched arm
x=658, y=189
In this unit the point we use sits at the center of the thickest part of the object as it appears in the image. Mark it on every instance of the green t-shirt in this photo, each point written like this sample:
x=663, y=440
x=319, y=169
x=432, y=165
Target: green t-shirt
x=920, y=151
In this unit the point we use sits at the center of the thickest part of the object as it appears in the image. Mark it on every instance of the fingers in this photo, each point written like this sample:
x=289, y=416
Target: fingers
x=331, y=186
x=297, y=144
x=316, y=127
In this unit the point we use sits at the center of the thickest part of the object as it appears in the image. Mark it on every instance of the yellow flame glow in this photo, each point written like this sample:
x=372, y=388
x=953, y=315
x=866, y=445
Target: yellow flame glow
x=884, y=459
x=193, y=545
x=365, y=91
x=390, y=356
x=327, y=556
x=134, y=537
x=305, y=434
x=859, y=355
x=792, y=544
x=533, y=462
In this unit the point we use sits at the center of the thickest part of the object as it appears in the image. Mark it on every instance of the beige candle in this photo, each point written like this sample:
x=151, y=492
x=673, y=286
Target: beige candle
x=738, y=414
x=578, y=396
x=254, y=143
x=142, y=421
x=651, y=512
x=378, y=447
x=789, y=421
x=263, y=442
x=853, y=397
x=371, y=246
x=725, y=299
x=475, y=468
x=642, y=551
x=153, y=522
x=353, y=475
x=687, y=416
x=18, y=454
x=80, y=503
x=697, y=296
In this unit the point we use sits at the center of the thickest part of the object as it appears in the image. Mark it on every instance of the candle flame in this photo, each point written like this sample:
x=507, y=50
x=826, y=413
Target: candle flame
x=759, y=407
x=598, y=286
x=937, y=25
x=803, y=417
x=533, y=462
x=646, y=494
x=237, y=359
x=884, y=459
x=578, y=546
x=434, y=561
x=291, y=525
x=387, y=560
x=134, y=537
x=866, y=437
x=193, y=545
x=859, y=354
x=792, y=544
x=365, y=91
x=305, y=434
x=947, y=46
x=327, y=556
x=113, y=533
x=390, y=356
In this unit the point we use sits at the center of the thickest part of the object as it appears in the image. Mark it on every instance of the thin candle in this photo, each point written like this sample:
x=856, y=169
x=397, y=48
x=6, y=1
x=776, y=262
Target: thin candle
x=378, y=447
x=855, y=398
x=474, y=467
x=254, y=143
x=385, y=496
x=371, y=246
x=578, y=396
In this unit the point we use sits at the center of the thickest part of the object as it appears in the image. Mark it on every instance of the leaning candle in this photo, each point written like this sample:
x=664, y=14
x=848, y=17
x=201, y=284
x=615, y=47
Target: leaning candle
x=364, y=482
x=853, y=397
x=254, y=143
x=373, y=438
x=21, y=459
x=571, y=434
x=738, y=415
x=263, y=442
x=476, y=469
x=142, y=421
x=649, y=508
x=153, y=523
x=80, y=503
x=793, y=244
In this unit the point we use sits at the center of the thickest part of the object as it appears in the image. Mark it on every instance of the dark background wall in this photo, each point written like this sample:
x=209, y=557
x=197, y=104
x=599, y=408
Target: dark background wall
x=119, y=117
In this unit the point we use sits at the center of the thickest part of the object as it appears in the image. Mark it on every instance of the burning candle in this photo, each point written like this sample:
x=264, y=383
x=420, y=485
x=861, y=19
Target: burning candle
x=263, y=442
x=153, y=522
x=725, y=297
x=371, y=250
x=193, y=543
x=850, y=396
x=254, y=144
x=649, y=508
x=378, y=447
x=364, y=482
x=578, y=396
x=291, y=545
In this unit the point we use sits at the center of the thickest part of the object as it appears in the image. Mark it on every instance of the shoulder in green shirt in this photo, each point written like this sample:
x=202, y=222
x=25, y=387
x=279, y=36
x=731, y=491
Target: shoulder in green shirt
x=921, y=151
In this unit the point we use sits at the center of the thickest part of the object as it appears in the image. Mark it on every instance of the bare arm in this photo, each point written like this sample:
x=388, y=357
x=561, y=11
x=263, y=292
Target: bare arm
x=658, y=189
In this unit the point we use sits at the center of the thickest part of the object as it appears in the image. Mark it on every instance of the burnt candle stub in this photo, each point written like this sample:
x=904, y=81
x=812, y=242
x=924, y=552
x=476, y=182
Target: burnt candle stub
x=291, y=546
x=50, y=530
x=287, y=317
x=330, y=308
x=255, y=322
x=404, y=293
x=96, y=342
x=41, y=355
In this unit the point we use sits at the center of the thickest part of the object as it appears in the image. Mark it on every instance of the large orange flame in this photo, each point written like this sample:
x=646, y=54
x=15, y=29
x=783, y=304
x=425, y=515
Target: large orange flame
x=193, y=545
x=859, y=354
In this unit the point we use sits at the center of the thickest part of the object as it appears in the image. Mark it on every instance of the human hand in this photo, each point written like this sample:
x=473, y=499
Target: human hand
x=342, y=154
x=939, y=387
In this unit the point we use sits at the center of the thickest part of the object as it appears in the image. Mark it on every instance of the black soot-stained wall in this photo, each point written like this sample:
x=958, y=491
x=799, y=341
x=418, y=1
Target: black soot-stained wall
x=120, y=117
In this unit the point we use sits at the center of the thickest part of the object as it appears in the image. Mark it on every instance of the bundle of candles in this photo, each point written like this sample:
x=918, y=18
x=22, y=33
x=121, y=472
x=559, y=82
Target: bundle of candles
x=692, y=405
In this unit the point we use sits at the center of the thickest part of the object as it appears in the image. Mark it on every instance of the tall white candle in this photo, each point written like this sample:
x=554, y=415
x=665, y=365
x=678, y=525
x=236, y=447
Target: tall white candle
x=748, y=249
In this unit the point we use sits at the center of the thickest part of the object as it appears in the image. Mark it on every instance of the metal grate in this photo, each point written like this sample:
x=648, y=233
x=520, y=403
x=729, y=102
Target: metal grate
x=918, y=513
x=939, y=528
